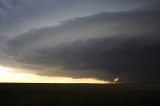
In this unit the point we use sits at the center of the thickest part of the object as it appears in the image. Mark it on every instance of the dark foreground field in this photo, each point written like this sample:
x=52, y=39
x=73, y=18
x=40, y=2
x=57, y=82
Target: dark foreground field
x=79, y=95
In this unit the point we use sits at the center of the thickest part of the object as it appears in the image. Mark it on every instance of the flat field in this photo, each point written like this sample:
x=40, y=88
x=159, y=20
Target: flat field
x=33, y=94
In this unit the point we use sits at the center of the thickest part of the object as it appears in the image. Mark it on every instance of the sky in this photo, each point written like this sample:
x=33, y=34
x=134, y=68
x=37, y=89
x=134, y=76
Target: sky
x=79, y=41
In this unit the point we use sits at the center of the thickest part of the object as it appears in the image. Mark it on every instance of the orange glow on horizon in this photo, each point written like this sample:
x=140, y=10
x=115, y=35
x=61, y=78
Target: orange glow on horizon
x=10, y=75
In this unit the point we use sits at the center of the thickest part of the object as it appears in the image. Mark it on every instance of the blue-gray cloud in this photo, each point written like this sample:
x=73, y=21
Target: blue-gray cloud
x=124, y=44
x=135, y=23
x=121, y=42
x=18, y=16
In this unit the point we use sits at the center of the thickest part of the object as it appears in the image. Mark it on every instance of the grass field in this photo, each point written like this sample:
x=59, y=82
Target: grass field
x=79, y=94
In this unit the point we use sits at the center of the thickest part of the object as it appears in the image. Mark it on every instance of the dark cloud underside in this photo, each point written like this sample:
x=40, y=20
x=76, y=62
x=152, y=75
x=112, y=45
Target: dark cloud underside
x=134, y=58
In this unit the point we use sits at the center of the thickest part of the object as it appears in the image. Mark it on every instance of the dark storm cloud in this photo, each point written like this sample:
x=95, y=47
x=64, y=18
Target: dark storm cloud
x=104, y=45
x=132, y=59
x=100, y=25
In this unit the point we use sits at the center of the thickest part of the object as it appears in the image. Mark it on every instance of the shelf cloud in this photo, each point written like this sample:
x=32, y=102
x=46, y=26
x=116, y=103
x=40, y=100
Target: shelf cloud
x=103, y=45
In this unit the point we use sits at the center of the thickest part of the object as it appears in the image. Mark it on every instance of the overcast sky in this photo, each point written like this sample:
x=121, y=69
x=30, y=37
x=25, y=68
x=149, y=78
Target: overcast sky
x=100, y=39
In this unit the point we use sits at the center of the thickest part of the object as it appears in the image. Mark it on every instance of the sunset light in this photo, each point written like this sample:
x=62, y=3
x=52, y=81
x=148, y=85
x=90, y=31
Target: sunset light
x=9, y=75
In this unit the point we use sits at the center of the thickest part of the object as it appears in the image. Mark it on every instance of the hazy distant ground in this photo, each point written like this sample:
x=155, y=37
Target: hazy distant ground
x=79, y=94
